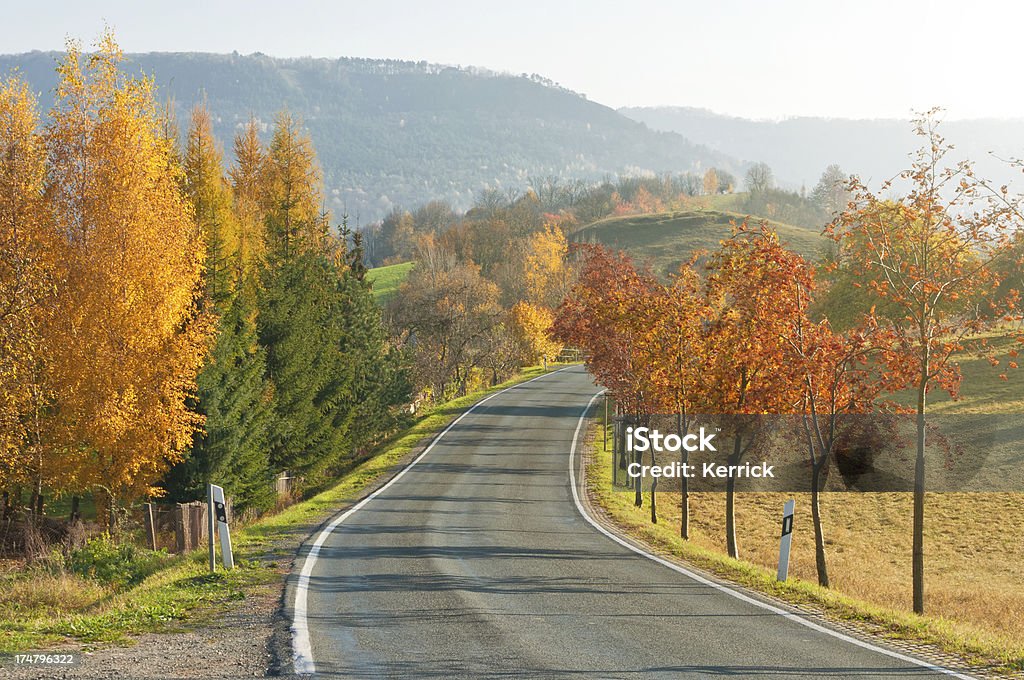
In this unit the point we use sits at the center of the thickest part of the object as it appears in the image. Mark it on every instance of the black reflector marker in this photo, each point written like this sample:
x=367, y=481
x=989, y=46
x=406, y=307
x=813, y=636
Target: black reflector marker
x=786, y=540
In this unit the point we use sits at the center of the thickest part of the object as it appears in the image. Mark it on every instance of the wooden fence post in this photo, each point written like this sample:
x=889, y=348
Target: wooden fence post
x=197, y=524
x=182, y=541
x=150, y=526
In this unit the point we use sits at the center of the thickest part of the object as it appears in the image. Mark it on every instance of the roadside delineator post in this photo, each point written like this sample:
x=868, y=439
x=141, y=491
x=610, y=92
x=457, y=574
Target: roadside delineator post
x=218, y=513
x=786, y=540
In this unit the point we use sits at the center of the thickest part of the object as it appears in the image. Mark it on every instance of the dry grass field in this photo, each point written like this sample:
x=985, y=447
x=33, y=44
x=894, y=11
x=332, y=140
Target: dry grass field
x=973, y=546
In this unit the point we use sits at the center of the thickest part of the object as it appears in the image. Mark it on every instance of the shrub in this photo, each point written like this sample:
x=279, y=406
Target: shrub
x=121, y=565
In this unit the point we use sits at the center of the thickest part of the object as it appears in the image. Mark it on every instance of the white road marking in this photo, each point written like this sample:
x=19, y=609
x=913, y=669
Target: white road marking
x=725, y=589
x=301, y=646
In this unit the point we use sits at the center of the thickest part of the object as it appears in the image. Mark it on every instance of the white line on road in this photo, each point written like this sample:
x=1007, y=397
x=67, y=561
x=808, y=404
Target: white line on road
x=796, y=618
x=301, y=646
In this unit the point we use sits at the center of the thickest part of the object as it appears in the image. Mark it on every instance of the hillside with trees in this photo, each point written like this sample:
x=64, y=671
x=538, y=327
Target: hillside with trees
x=915, y=286
x=399, y=134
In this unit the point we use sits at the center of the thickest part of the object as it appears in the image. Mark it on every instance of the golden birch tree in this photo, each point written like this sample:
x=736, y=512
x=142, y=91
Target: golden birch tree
x=26, y=285
x=127, y=339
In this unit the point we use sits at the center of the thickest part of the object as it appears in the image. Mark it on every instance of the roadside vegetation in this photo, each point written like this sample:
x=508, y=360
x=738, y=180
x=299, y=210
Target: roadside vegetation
x=234, y=332
x=108, y=591
x=975, y=566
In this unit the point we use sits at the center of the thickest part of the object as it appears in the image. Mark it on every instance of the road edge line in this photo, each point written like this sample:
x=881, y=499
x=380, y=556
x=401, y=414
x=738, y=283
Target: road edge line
x=302, y=650
x=792, y=616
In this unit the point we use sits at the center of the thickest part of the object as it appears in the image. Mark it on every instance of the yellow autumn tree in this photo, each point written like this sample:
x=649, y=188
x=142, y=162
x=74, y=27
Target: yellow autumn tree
x=210, y=195
x=247, y=182
x=710, y=182
x=292, y=199
x=546, y=270
x=127, y=339
x=546, y=274
x=26, y=286
x=531, y=325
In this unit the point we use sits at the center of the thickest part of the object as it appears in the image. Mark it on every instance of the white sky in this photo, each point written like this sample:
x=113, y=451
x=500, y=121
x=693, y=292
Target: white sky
x=842, y=58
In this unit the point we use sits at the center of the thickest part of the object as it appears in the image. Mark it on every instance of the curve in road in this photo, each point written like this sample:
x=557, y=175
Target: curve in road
x=478, y=560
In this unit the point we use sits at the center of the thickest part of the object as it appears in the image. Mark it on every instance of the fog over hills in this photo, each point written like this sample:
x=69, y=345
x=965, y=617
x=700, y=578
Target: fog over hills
x=393, y=133
x=798, y=149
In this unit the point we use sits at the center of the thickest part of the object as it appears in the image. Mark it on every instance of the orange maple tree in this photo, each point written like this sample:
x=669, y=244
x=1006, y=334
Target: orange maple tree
x=746, y=372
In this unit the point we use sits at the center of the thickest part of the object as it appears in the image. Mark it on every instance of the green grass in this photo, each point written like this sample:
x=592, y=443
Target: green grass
x=666, y=240
x=386, y=280
x=40, y=609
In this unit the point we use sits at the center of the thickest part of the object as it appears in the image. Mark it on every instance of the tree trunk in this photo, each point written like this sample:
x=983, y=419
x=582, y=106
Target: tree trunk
x=638, y=499
x=111, y=514
x=684, y=485
x=730, y=502
x=654, y=490
x=637, y=458
x=918, y=549
x=730, y=518
x=819, y=536
x=620, y=442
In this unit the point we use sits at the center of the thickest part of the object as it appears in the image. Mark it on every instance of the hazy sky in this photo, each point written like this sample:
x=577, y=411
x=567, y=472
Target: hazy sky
x=850, y=58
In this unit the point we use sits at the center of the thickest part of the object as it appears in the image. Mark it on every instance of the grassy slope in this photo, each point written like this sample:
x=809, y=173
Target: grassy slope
x=974, y=554
x=39, y=609
x=666, y=239
x=386, y=280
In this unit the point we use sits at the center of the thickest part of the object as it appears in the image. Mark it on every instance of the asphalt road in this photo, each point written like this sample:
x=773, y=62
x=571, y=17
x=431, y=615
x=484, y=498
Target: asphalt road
x=477, y=563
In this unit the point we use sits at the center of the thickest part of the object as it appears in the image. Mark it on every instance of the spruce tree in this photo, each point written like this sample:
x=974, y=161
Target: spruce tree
x=300, y=324
x=233, y=448
x=381, y=380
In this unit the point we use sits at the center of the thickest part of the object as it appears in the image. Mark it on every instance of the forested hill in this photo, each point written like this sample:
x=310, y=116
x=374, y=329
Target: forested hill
x=393, y=133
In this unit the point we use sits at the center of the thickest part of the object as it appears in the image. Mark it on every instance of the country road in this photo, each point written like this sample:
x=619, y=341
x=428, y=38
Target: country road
x=477, y=563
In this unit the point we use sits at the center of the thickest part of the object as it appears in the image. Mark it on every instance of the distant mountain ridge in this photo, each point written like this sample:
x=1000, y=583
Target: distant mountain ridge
x=395, y=133
x=798, y=149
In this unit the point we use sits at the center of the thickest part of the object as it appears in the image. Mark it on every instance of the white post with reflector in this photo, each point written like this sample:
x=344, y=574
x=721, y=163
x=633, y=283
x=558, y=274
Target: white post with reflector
x=786, y=540
x=218, y=517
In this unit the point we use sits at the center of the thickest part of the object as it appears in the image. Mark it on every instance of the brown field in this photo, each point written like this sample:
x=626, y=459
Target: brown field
x=974, y=547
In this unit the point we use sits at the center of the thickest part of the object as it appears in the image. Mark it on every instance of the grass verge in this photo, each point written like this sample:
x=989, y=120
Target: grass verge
x=41, y=609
